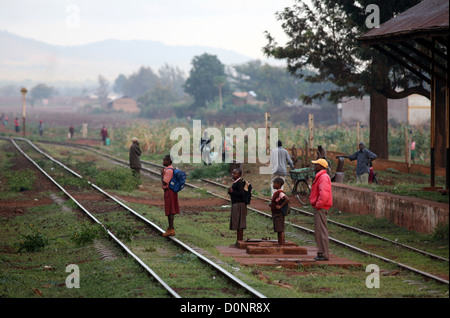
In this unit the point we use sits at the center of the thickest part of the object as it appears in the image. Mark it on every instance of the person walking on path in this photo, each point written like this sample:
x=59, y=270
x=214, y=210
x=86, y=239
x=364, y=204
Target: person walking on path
x=205, y=148
x=170, y=197
x=41, y=128
x=238, y=217
x=104, y=134
x=413, y=150
x=16, y=124
x=84, y=130
x=364, y=158
x=135, y=157
x=71, y=131
x=321, y=200
x=278, y=157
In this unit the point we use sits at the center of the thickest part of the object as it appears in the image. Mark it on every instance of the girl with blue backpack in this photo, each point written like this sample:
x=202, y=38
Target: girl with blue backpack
x=170, y=196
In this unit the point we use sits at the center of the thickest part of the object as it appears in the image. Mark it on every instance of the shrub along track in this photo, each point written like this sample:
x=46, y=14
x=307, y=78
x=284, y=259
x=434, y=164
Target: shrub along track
x=261, y=202
x=206, y=279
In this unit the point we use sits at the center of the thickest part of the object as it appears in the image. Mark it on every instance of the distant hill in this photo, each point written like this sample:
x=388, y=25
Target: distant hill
x=26, y=59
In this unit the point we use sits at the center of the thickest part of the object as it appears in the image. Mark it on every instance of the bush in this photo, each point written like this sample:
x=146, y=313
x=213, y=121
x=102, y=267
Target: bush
x=213, y=171
x=441, y=233
x=73, y=181
x=120, y=178
x=33, y=242
x=21, y=180
x=87, y=233
x=87, y=168
x=122, y=231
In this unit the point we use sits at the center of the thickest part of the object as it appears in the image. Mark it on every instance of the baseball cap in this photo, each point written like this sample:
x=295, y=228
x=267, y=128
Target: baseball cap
x=134, y=139
x=321, y=162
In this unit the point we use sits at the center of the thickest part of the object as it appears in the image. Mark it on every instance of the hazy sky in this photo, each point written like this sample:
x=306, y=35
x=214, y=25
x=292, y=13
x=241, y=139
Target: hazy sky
x=231, y=24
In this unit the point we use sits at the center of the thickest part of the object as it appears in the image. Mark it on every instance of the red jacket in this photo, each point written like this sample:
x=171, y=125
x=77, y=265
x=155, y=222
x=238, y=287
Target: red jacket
x=321, y=196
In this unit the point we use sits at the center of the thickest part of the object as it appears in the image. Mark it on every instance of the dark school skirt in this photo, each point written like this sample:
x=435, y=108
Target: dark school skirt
x=238, y=218
x=278, y=221
x=171, y=202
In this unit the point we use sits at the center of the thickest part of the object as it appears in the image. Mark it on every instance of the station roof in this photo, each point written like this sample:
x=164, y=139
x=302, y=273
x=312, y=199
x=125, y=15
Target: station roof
x=428, y=18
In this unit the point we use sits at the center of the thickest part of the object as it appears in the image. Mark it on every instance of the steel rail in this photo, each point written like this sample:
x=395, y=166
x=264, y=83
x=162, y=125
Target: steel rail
x=412, y=269
x=127, y=250
x=349, y=227
x=174, y=239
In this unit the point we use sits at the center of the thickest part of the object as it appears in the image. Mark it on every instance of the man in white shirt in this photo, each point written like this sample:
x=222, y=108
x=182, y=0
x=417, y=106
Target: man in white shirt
x=278, y=157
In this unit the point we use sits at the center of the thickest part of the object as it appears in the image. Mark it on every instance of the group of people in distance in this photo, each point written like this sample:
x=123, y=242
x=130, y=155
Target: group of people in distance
x=321, y=198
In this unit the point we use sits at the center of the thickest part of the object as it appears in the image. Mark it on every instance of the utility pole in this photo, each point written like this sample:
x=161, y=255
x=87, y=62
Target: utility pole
x=24, y=92
x=311, y=132
x=267, y=133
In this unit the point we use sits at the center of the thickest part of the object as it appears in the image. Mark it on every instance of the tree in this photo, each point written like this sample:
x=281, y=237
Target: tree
x=324, y=37
x=173, y=78
x=156, y=100
x=119, y=83
x=219, y=82
x=40, y=92
x=102, y=90
x=139, y=83
x=273, y=84
x=200, y=83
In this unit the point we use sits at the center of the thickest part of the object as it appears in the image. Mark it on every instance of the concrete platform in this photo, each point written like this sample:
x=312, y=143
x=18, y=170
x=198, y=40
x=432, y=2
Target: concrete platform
x=269, y=253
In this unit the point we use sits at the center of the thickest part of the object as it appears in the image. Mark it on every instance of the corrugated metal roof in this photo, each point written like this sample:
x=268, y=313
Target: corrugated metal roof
x=429, y=16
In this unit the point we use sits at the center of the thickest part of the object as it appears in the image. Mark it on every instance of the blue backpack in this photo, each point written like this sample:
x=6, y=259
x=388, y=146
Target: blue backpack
x=178, y=180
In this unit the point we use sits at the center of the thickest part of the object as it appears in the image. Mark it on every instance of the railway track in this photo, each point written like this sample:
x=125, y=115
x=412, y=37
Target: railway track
x=302, y=228
x=348, y=227
x=228, y=277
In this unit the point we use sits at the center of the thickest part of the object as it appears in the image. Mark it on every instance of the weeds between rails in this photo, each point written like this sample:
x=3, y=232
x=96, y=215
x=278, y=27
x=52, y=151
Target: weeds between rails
x=388, y=260
x=109, y=233
x=348, y=227
x=194, y=292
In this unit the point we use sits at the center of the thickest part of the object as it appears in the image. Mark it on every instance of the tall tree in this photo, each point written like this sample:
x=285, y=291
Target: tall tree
x=40, y=92
x=102, y=90
x=139, y=83
x=323, y=36
x=200, y=83
x=272, y=84
x=173, y=78
x=119, y=83
x=156, y=100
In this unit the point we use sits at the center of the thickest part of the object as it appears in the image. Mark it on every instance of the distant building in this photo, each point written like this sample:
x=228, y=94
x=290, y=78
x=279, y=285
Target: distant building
x=245, y=98
x=125, y=104
x=85, y=103
x=414, y=110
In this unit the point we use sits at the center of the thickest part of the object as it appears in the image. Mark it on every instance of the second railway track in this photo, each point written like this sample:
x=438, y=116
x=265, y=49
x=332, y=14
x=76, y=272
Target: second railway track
x=308, y=230
x=211, y=279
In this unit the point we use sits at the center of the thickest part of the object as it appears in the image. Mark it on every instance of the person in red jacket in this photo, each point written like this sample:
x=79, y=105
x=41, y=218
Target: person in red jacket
x=104, y=134
x=321, y=200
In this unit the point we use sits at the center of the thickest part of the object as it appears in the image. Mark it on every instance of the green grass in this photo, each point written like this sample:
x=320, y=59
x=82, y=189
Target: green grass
x=194, y=227
x=409, y=190
x=42, y=273
x=206, y=229
x=20, y=180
